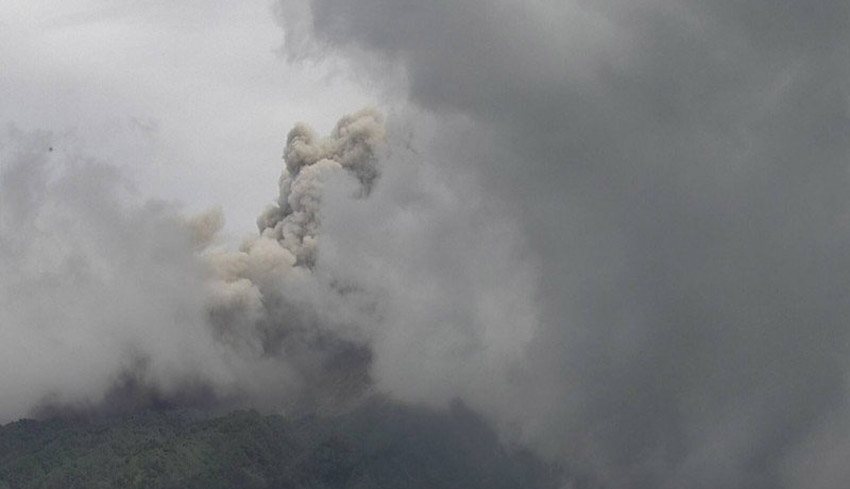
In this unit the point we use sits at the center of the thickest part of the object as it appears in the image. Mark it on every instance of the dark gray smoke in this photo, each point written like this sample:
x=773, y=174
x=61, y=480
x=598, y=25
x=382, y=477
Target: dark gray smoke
x=670, y=226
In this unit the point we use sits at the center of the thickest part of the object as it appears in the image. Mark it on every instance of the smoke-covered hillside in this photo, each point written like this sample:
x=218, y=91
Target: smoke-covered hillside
x=617, y=230
x=380, y=445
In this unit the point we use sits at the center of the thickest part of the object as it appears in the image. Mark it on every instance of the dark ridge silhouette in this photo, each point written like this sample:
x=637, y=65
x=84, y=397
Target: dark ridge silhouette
x=378, y=445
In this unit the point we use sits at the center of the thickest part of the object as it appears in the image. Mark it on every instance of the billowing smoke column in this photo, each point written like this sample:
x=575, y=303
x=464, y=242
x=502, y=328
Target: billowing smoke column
x=294, y=222
x=106, y=305
x=288, y=231
x=265, y=299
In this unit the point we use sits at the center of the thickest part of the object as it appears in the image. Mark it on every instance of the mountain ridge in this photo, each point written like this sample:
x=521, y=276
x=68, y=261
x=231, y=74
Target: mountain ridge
x=380, y=444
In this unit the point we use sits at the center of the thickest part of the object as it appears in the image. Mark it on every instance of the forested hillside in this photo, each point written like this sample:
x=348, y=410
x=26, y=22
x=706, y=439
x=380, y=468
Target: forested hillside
x=379, y=445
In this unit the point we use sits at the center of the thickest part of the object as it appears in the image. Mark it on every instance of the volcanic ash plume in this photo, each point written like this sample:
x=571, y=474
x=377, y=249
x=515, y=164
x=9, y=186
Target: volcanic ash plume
x=294, y=222
x=107, y=305
x=264, y=297
x=288, y=230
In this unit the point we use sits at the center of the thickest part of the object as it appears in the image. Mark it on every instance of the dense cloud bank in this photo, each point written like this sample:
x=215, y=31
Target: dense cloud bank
x=674, y=175
x=91, y=285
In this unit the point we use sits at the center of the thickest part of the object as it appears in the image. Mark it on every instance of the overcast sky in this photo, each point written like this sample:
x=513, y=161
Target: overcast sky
x=192, y=98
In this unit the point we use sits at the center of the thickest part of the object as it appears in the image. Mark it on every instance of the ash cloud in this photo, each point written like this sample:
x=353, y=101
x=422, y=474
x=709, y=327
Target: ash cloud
x=265, y=299
x=109, y=305
x=678, y=169
x=90, y=283
x=617, y=229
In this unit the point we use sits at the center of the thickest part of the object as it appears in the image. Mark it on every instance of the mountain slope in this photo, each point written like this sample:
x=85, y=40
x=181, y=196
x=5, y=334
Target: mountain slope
x=379, y=445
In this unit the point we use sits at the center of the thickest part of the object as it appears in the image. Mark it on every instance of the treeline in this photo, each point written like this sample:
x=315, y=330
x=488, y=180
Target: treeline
x=380, y=445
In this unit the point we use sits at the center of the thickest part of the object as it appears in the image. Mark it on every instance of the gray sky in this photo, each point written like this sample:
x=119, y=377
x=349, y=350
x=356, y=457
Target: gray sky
x=190, y=97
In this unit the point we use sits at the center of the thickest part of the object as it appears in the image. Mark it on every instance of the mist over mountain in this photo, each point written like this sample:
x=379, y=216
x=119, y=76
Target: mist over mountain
x=614, y=232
